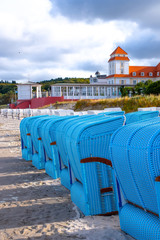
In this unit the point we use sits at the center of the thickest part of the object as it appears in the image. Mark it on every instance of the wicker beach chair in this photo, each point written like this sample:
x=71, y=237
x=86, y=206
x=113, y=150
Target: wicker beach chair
x=141, y=115
x=87, y=172
x=48, y=136
x=61, y=145
x=135, y=157
x=26, y=143
x=38, y=154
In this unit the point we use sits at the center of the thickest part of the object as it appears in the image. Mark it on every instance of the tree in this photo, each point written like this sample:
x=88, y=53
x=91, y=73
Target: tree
x=153, y=88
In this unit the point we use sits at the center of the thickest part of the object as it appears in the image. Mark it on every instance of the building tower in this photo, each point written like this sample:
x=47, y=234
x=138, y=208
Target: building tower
x=118, y=62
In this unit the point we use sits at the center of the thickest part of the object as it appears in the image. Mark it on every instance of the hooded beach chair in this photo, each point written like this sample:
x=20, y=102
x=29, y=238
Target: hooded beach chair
x=48, y=136
x=141, y=115
x=61, y=145
x=38, y=154
x=26, y=143
x=87, y=163
x=135, y=155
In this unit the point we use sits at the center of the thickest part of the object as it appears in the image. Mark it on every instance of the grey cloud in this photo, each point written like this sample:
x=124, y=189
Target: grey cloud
x=50, y=54
x=10, y=48
x=4, y=75
x=88, y=66
x=143, y=11
x=143, y=47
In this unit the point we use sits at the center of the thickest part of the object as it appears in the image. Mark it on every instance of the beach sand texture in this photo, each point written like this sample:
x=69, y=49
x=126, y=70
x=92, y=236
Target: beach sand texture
x=34, y=206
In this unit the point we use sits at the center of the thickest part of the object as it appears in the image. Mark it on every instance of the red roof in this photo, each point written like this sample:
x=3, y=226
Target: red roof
x=118, y=50
x=138, y=70
x=119, y=58
x=118, y=75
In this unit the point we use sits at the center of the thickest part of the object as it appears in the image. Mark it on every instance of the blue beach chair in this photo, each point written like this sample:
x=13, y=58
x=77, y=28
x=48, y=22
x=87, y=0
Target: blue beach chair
x=61, y=146
x=38, y=154
x=88, y=171
x=141, y=115
x=135, y=157
x=26, y=143
x=48, y=136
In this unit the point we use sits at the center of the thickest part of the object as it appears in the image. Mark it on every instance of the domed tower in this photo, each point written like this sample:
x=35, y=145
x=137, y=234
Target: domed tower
x=118, y=62
x=97, y=74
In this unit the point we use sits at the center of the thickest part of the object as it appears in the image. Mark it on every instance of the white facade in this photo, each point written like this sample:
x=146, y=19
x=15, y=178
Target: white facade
x=83, y=91
x=25, y=91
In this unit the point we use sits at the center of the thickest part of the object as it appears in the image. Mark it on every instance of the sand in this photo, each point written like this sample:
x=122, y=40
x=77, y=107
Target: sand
x=34, y=206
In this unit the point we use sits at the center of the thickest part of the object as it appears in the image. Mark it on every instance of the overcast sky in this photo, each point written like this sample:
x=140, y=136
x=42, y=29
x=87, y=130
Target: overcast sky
x=44, y=39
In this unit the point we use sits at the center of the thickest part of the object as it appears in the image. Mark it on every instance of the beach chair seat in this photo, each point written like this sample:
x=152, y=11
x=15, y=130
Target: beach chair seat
x=135, y=157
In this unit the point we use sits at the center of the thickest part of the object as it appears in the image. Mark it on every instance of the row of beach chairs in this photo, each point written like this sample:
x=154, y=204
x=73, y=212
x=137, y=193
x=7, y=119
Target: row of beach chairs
x=109, y=160
x=22, y=113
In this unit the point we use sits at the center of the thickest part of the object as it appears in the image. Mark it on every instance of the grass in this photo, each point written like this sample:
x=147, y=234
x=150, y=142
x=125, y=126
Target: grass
x=57, y=104
x=3, y=106
x=127, y=104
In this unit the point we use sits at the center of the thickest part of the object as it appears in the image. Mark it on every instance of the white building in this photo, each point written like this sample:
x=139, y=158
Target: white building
x=25, y=90
x=100, y=86
x=103, y=86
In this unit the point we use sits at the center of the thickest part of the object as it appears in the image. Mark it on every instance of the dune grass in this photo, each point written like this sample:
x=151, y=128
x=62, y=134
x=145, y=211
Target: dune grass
x=58, y=104
x=127, y=104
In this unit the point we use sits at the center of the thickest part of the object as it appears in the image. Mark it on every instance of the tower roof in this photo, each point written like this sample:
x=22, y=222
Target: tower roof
x=119, y=50
x=119, y=54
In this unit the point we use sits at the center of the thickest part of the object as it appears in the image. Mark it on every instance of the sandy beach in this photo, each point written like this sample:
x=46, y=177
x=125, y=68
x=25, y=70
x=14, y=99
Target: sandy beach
x=34, y=206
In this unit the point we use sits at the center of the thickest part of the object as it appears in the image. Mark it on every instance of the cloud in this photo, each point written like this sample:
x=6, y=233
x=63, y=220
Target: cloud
x=44, y=39
x=88, y=66
x=144, y=12
x=143, y=45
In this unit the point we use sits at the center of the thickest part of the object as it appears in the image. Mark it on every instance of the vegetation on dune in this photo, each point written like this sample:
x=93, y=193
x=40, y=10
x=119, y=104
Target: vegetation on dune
x=7, y=92
x=58, y=105
x=127, y=104
x=47, y=83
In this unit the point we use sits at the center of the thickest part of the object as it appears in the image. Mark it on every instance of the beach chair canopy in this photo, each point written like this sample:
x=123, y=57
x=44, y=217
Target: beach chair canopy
x=141, y=115
x=135, y=157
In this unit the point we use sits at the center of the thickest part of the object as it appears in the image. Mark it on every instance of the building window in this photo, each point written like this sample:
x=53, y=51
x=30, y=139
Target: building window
x=95, y=91
x=95, y=80
x=157, y=73
x=122, y=81
x=142, y=81
x=122, y=64
x=134, y=82
x=101, y=91
x=70, y=91
x=76, y=91
x=150, y=74
x=64, y=91
x=122, y=71
x=56, y=91
x=142, y=73
x=134, y=73
x=89, y=91
x=83, y=90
